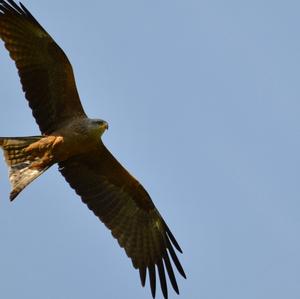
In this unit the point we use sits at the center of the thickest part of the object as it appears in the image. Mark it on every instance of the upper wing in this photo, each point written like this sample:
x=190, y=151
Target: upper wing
x=45, y=71
x=128, y=211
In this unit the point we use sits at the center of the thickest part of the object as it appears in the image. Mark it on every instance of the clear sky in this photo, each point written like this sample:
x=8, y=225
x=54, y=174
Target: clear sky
x=203, y=102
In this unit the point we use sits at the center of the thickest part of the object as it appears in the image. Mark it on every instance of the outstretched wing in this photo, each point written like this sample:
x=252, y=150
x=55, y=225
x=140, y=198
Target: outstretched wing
x=45, y=71
x=125, y=207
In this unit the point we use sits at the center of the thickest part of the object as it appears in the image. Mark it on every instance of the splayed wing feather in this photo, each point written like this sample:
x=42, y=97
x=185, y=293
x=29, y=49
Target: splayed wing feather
x=143, y=275
x=170, y=272
x=175, y=258
x=162, y=278
x=152, y=276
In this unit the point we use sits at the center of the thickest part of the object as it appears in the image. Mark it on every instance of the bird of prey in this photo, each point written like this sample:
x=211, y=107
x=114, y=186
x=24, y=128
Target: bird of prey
x=73, y=141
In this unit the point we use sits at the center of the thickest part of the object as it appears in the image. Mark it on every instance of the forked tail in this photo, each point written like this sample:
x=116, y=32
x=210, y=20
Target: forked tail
x=23, y=166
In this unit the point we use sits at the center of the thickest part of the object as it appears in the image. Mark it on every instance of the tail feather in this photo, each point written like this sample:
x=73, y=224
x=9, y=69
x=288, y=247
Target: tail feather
x=13, y=148
x=23, y=167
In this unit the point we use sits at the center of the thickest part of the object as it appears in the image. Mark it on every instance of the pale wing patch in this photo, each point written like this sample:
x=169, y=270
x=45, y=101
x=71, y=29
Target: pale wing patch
x=20, y=175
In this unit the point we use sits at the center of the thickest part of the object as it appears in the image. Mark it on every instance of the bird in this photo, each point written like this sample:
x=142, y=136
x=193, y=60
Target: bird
x=73, y=141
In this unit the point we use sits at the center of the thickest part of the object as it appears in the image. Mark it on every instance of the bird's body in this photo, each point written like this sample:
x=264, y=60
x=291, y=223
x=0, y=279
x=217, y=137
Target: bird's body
x=77, y=137
x=73, y=141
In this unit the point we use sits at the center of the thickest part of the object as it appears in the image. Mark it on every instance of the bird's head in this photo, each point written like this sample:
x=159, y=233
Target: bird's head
x=99, y=126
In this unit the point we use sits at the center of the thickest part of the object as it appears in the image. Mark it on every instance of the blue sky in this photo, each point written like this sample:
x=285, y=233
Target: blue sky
x=202, y=98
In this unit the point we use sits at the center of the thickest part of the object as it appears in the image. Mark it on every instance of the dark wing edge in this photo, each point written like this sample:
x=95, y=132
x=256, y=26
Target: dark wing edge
x=45, y=72
x=125, y=207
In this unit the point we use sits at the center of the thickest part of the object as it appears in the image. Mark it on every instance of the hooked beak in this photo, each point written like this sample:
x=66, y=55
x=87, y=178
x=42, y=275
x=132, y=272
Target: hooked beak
x=105, y=125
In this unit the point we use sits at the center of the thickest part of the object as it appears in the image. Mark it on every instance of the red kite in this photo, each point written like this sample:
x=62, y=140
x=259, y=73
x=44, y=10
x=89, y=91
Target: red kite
x=73, y=141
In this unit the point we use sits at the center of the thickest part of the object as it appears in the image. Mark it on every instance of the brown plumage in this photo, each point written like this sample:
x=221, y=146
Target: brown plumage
x=73, y=141
x=45, y=71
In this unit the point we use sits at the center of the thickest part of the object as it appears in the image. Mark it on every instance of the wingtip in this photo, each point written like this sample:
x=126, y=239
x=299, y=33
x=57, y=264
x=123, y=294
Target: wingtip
x=172, y=238
x=143, y=274
x=13, y=194
x=183, y=274
x=175, y=259
x=152, y=277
